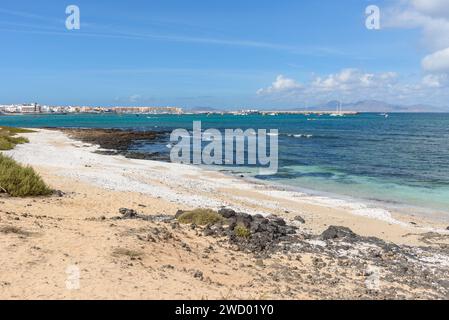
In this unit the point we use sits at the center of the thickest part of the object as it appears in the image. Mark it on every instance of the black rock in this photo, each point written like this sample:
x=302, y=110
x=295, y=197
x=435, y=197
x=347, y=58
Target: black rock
x=198, y=274
x=208, y=231
x=179, y=213
x=59, y=193
x=265, y=234
x=334, y=232
x=300, y=219
x=227, y=213
x=128, y=213
x=279, y=221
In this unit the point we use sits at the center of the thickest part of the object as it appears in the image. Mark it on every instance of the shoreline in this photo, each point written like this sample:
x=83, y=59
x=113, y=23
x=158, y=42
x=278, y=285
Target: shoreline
x=152, y=256
x=119, y=142
x=270, y=196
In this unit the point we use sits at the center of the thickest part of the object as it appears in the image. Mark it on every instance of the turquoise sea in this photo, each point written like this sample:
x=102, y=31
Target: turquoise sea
x=401, y=161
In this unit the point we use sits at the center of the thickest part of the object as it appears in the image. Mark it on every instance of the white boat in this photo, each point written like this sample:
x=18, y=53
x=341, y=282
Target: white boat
x=338, y=113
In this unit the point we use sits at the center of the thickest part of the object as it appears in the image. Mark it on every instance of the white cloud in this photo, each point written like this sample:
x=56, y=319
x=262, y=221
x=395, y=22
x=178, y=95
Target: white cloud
x=346, y=80
x=352, y=85
x=437, y=62
x=432, y=17
x=350, y=79
x=281, y=84
x=435, y=8
x=435, y=80
x=135, y=98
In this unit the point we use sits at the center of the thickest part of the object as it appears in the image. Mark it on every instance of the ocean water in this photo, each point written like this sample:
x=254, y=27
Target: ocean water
x=401, y=161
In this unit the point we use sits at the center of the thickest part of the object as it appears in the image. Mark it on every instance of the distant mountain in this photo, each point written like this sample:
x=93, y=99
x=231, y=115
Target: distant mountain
x=203, y=109
x=377, y=106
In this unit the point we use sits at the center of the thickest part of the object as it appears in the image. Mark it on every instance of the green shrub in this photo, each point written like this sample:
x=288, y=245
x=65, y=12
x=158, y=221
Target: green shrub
x=5, y=144
x=18, y=140
x=13, y=131
x=18, y=181
x=200, y=217
x=8, y=140
x=241, y=231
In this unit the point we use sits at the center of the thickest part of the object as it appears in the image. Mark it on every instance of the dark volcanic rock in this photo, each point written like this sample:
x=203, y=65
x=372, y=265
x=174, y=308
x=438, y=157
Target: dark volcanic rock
x=59, y=193
x=117, y=141
x=334, y=232
x=128, y=213
x=132, y=214
x=262, y=234
x=300, y=219
x=112, y=139
x=198, y=274
x=179, y=213
x=227, y=213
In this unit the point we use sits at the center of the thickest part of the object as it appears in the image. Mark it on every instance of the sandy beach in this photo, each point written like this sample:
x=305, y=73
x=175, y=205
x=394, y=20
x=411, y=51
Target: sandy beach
x=116, y=261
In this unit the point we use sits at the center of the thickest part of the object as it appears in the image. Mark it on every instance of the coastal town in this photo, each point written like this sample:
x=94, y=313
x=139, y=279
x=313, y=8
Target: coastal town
x=37, y=109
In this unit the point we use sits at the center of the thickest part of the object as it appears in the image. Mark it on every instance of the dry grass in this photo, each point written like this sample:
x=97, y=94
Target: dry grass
x=14, y=230
x=200, y=217
x=126, y=252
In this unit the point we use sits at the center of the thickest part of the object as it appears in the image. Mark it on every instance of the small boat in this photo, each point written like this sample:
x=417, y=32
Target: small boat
x=339, y=113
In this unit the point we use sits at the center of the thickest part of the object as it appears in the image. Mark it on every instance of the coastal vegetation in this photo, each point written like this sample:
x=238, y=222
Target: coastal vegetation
x=241, y=231
x=200, y=217
x=16, y=180
x=19, y=181
x=8, y=139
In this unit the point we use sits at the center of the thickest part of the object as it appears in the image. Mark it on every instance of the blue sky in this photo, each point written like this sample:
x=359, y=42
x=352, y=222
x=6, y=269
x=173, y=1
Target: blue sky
x=226, y=54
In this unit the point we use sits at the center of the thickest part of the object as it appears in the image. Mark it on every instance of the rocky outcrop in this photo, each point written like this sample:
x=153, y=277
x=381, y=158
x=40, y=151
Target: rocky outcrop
x=255, y=234
x=334, y=232
x=119, y=142
x=383, y=267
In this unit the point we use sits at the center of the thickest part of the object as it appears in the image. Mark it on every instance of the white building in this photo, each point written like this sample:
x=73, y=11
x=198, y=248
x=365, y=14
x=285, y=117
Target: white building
x=57, y=109
x=30, y=108
x=12, y=108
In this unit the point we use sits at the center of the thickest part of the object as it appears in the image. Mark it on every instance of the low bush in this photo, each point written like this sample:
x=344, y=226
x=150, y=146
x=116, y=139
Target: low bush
x=241, y=231
x=200, y=217
x=8, y=140
x=19, y=181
